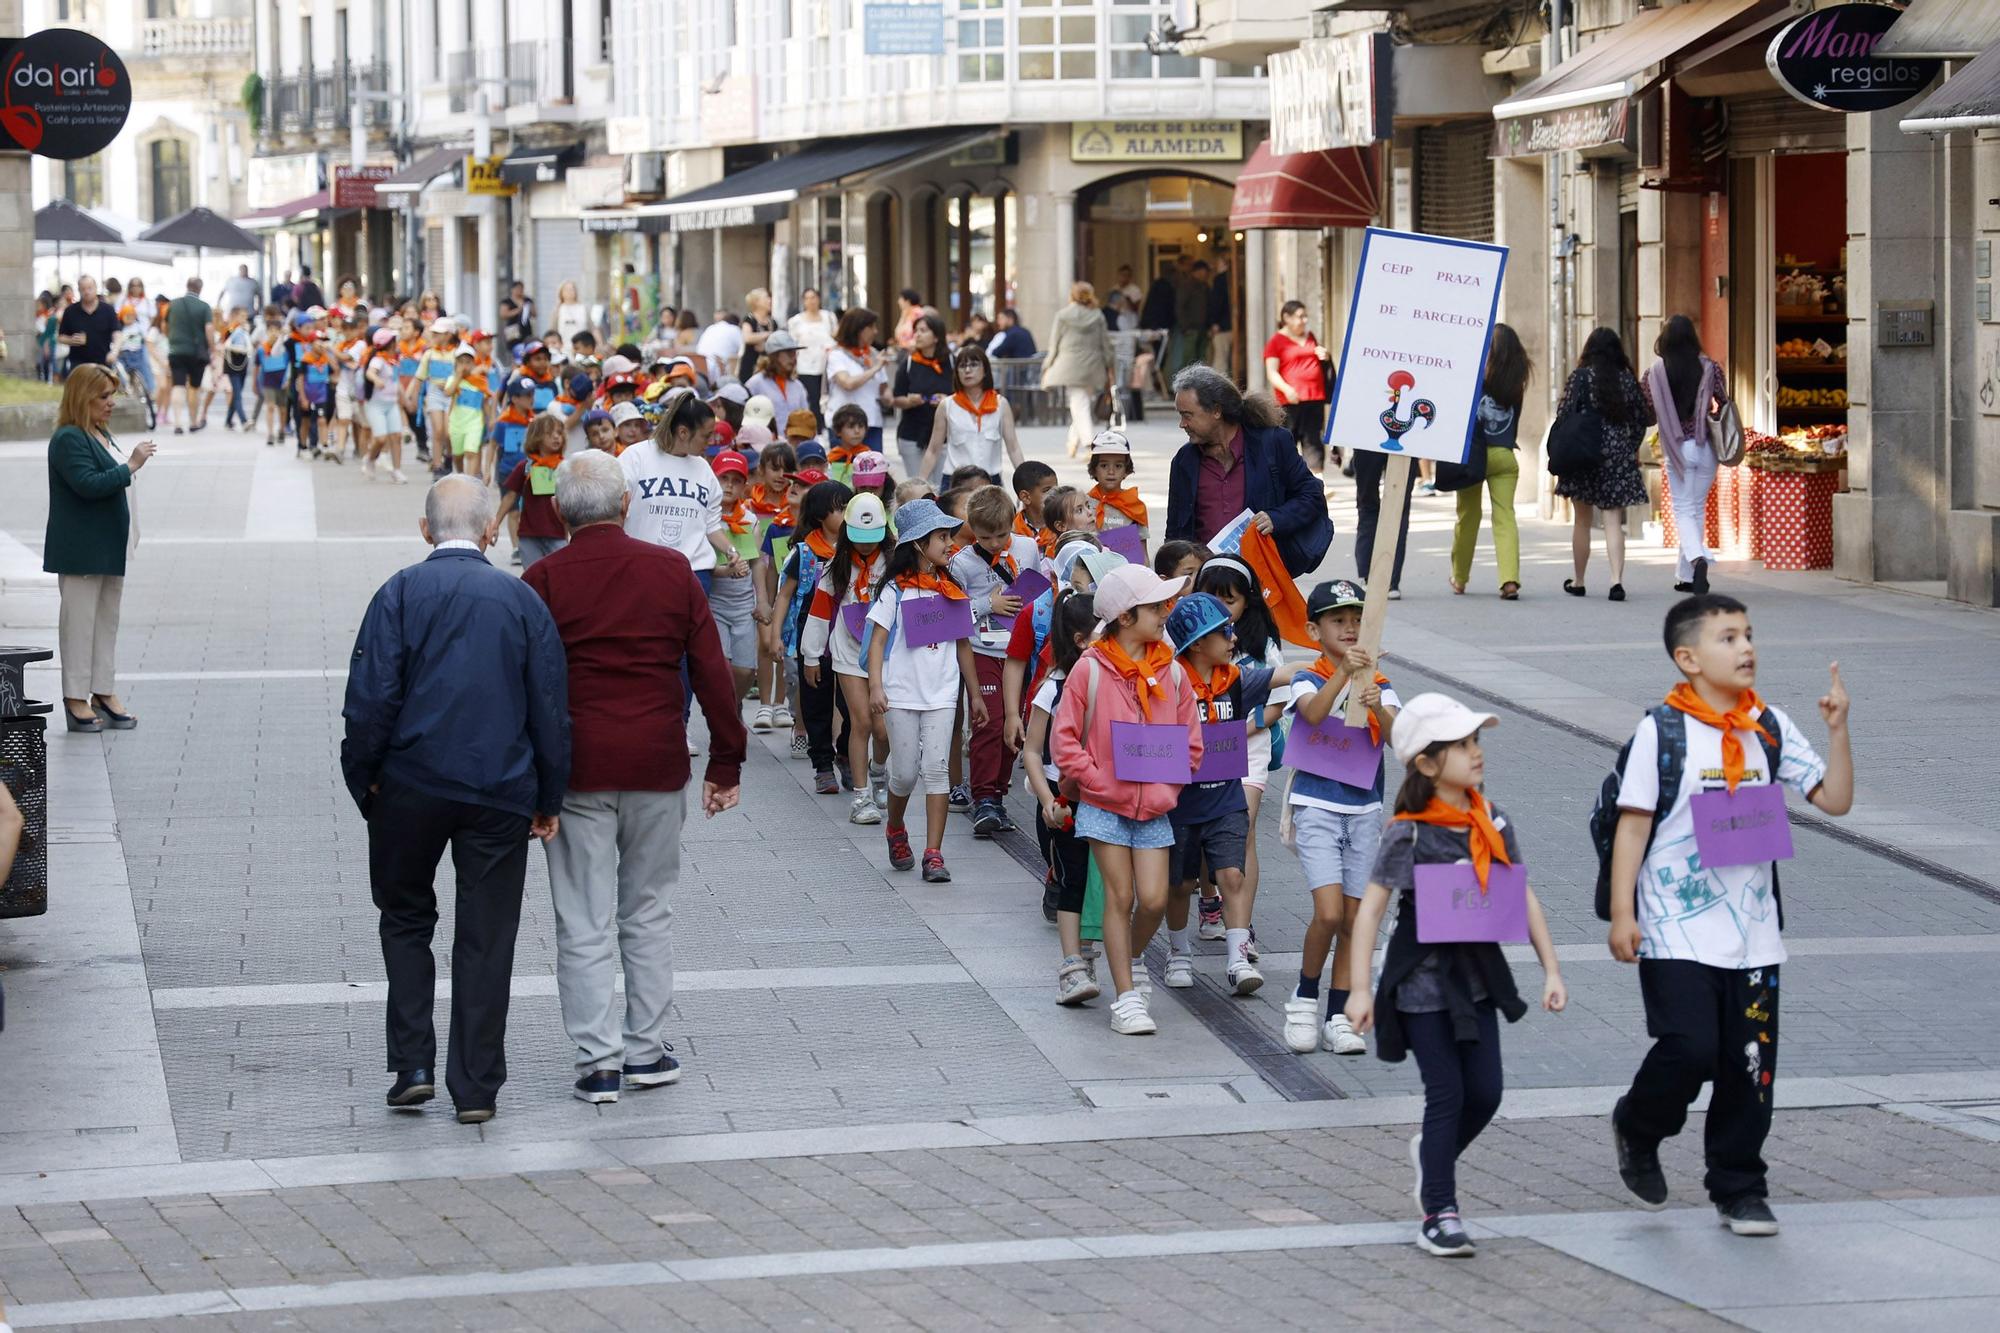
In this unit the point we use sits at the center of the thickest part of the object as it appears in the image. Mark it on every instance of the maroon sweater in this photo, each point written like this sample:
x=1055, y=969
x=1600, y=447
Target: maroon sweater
x=628, y=612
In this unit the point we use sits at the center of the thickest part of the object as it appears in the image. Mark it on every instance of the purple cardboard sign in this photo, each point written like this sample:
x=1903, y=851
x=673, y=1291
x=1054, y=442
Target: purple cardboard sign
x=1746, y=827
x=855, y=616
x=1127, y=541
x=1452, y=910
x=1334, y=750
x=1150, y=752
x=1028, y=585
x=935, y=619
x=1225, y=751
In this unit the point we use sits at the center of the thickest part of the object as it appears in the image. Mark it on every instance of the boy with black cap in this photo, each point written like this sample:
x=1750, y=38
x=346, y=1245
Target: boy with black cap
x=1336, y=827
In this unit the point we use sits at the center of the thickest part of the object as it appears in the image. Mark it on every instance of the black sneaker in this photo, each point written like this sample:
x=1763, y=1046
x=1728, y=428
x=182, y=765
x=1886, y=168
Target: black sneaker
x=1444, y=1235
x=1049, y=901
x=1007, y=824
x=413, y=1087
x=599, y=1085
x=1700, y=577
x=474, y=1115
x=658, y=1074
x=988, y=818
x=1639, y=1166
x=1747, y=1216
x=825, y=783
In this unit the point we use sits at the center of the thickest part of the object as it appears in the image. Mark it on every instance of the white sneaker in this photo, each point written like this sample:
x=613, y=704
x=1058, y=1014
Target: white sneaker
x=781, y=717
x=763, y=720
x=1180, y=971
x=1302, y=1025
x=1074, y=982
x=1340, y=1037
x=864, y=810
x=1244, y=977
x=396, y=475
x=1129, y=1017
x=367, y=469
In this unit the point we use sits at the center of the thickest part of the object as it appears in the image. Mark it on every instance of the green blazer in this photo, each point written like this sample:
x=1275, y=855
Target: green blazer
x=88, y=519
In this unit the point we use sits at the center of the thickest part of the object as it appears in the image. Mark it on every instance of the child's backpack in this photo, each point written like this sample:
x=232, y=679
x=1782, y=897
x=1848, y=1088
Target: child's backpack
x=1671, y=724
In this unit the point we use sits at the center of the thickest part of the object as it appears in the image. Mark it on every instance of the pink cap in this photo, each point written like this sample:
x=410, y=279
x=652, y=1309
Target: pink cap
x=870, y=468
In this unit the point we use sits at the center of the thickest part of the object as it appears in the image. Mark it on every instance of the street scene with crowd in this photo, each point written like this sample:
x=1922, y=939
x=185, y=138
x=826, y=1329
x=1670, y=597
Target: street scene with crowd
x=796, y=815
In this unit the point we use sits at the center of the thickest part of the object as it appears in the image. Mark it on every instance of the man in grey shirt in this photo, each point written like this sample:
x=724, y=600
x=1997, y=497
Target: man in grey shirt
x=190, y=346
x=240, y=292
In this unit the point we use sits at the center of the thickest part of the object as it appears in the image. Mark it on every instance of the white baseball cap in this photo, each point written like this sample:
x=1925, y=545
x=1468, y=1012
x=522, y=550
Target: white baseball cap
x=625, y=412
x=733, y=392
x=1111, y=442
x=619, y=365
x=1128, y=586
x=760, y=408
x=1430, y=718
x=443, y=324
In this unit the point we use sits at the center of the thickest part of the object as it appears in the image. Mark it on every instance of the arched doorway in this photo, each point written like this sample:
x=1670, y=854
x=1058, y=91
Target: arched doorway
x=1159, y=225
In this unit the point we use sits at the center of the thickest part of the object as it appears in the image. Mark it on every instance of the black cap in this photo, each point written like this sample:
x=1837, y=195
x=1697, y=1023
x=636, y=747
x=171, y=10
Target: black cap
x=1332, y=595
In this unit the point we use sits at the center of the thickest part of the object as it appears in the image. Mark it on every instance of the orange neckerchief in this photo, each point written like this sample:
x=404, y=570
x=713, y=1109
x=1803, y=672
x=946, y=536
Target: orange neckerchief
x=1482, y=838
x=845, y=453
x=1218, y=682
x=920, y=359
x=820, y=544
x=989, y=401
x=1126, y=502
x=514, y=416
x=857, y=582
x=412, y=349
x=941, y=584
x=735, y=519
x=762, y=503
x=1148, y=674
x=1326, y=670
x=307, y=338
x=472, y=379
x=1045, y=538
x=545, y=460
x=1740, y=718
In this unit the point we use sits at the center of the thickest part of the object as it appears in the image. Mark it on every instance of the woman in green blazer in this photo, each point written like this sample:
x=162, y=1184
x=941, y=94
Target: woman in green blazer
x=90, y=526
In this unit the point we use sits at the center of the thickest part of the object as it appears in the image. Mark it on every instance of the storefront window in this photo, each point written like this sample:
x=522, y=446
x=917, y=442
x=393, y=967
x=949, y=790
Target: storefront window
x=1059, y=45
x=1131, y=22
x=969, y=256
x=982, y=42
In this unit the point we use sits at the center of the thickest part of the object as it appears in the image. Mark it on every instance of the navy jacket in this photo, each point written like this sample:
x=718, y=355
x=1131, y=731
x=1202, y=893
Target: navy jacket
x=459, y=688
x=1276, y=481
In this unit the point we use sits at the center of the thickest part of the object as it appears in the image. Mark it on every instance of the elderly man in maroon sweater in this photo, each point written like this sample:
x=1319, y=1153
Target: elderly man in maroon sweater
x=628, y=612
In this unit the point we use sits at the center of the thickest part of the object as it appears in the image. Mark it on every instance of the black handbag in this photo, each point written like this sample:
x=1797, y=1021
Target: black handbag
x=1576, y=441
x=1463, y=476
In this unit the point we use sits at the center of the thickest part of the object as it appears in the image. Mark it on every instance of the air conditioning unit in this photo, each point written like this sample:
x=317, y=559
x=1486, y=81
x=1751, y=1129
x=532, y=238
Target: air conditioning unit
x=645, y=175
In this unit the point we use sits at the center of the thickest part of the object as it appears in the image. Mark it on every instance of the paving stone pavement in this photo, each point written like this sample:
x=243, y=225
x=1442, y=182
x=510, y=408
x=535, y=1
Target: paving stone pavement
x=246, y=866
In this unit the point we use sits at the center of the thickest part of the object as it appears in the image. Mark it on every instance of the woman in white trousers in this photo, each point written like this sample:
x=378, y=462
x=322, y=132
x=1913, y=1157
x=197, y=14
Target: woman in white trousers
x=1686, y=387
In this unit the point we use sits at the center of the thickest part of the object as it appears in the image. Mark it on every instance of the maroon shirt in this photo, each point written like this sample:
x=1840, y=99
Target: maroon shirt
x=538, y=512
x=1218, y=495
x=628, y=611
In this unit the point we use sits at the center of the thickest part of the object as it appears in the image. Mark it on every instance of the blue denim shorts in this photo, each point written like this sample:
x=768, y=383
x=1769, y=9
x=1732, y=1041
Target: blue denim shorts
x=1335, y=848
x=1097, y=825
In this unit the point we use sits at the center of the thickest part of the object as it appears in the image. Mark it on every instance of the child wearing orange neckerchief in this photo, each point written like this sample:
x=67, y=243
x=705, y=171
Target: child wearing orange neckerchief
x=986, y=569
x=1334, y=826
x=1442, y=998
x=1113, y=505
x=1705, y=927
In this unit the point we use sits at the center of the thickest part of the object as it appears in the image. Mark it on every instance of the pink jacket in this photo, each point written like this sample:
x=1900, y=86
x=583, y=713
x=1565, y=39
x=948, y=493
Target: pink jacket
x=1087, y=759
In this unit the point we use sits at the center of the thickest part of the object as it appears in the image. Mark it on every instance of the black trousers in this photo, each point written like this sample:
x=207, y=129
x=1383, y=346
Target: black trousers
x=1368, y=466
x=1307, y=423
x=1709, y=1024
x=819, y=705
x=1068, y=858
x=408, y=831
x=1462, y=1088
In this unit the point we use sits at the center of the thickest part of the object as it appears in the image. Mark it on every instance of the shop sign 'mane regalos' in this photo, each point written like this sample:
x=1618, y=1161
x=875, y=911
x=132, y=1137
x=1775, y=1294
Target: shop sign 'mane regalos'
x=1827, y=59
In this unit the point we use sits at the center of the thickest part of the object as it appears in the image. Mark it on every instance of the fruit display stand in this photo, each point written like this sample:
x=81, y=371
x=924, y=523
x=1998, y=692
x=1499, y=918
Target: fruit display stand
x=1795, y=480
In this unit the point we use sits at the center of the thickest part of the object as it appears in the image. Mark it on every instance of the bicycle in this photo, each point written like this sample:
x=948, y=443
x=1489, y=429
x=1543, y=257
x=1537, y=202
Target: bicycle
x=132, y=386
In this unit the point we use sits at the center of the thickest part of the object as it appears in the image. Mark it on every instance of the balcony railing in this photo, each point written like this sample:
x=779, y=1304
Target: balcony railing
x=323, y=99
x=519, y=74
x=194, y=37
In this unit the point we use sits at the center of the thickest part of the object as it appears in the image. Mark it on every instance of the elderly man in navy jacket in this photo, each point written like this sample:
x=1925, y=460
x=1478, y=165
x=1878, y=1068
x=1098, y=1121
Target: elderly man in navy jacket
x=457, y=736
x=1239, y=456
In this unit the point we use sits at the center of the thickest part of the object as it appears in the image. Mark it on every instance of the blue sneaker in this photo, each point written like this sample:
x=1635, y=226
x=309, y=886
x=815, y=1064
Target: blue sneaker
x=988, y=817
x=599, y=1085
x=658, y=1074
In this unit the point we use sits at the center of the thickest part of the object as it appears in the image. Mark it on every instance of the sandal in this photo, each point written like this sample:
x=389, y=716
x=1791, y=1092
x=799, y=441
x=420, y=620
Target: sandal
x=1573, y=589
x=1510, y=591
x=1457, y=588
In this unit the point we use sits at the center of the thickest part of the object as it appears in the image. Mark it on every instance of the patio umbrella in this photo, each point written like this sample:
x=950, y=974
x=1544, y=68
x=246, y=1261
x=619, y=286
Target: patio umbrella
x=59, y=220
x=201, y=229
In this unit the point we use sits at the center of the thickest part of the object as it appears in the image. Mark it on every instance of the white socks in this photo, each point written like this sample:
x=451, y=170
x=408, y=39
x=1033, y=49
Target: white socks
x=1238, y=943
x=1181, y=941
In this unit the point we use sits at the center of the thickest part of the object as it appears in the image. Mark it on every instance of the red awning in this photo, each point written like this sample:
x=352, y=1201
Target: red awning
x=1335, y=188
x=291, y=208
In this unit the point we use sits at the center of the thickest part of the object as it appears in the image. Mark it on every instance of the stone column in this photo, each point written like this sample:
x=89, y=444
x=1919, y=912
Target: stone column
x=1065, y=274
x=17, y=236
x=1251, y=335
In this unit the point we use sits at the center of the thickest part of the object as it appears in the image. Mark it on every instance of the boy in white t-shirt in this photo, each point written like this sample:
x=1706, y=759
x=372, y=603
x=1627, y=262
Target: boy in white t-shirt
x=986, y=569
x=1706, y=939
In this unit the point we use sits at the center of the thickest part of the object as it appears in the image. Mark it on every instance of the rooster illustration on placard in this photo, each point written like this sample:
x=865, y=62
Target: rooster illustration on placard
x=1421, y=409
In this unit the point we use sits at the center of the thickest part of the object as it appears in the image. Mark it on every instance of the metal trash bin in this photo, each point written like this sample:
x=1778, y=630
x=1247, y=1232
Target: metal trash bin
x=24, y=767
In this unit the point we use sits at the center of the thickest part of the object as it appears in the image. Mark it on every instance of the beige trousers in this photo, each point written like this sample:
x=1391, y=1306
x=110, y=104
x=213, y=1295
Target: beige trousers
x=88, y=632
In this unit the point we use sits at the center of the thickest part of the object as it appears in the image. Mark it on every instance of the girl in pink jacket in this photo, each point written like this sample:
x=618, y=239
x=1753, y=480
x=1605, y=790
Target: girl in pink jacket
x=1123, y=788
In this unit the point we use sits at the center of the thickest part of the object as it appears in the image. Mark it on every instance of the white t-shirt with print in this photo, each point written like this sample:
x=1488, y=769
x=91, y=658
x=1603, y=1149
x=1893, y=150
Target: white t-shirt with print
x=676, y=502
x=975, y=573
x=920, y=679
x=1724, y=917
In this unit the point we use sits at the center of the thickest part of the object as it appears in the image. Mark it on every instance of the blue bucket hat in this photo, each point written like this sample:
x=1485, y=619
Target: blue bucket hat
x=920, y=518
x=1195, y=617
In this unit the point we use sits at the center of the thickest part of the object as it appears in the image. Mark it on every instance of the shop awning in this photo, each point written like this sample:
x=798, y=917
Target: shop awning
x=1336, y=187
x=1968, y=100
x=733, y=200
x=527, y=166
x=433, y=164
x=309, y=210
x=1946, y=29
x=1584, y=101
x=623, y=219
